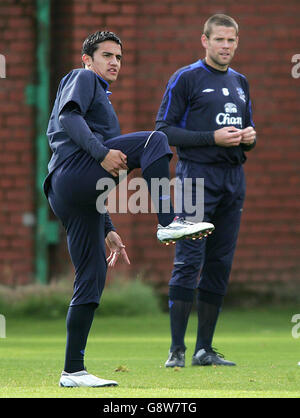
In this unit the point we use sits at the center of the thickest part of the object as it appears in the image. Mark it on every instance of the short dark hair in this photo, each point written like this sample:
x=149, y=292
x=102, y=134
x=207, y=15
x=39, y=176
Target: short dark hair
x=219, y=20
x=90, y=45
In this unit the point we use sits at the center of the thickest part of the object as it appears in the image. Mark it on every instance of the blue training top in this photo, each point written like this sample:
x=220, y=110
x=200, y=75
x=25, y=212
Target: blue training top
x=85, y=94
x=89, y=92
x=200, y=99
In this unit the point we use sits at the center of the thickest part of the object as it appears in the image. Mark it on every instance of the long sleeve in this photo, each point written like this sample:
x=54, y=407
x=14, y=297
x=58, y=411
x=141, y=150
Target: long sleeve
x=108, y=225
x=184, y=138
x=248, y=116
x=76, y=127
x=172, y=112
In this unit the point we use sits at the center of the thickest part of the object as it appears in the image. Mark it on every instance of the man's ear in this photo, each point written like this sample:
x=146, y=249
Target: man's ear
x=87, y=60
x=204, y=41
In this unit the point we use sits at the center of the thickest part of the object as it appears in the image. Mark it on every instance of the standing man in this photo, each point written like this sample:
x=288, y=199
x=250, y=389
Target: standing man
x=84, y=136
x=206, y=113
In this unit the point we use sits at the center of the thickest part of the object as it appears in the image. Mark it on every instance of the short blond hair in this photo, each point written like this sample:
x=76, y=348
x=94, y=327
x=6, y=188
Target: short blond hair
x=219, y=20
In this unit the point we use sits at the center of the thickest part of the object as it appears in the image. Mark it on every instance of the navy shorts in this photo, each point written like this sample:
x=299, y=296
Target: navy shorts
x=210, y=260
x=72, y=195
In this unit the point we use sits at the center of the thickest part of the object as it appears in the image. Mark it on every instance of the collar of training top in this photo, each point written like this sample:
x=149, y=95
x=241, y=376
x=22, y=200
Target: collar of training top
x=104, y=84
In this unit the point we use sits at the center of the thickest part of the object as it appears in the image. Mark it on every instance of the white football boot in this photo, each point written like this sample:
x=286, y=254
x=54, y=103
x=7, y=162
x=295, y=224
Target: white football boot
x=182, y=229
x=83, y=379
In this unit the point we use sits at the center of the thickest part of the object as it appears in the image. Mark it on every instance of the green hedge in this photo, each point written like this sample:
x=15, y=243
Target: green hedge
x=120, y=297
x=128, y=297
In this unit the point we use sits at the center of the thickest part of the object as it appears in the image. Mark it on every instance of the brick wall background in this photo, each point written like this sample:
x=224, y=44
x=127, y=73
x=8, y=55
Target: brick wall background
x=17, y=44
x=158, y=37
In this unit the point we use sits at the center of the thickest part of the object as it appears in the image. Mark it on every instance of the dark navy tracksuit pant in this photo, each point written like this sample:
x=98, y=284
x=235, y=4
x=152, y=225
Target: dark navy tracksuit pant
x=211, y=259
x=72, y=196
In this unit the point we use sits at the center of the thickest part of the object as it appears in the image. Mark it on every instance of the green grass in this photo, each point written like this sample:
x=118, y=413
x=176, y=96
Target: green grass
x=260, y=341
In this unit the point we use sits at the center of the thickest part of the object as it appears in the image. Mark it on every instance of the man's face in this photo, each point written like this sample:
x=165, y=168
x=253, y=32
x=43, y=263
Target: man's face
x=106, y=61
x=220, y=46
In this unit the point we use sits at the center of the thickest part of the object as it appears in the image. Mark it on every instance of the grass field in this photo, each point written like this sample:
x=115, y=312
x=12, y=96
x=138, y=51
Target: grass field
x=260, y=341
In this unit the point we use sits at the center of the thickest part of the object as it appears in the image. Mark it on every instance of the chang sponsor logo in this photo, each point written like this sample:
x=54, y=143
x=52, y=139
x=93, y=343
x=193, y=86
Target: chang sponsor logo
x=227, y=118
x=230, y=108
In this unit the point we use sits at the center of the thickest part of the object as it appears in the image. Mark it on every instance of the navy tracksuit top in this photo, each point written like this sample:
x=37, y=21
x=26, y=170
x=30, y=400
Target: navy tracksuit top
x=200, y=99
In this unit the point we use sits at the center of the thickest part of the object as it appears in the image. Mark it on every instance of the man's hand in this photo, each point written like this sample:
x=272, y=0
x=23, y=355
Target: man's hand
x=115, y=161
x=116, y=247
x=248, y=135
x=229, y=136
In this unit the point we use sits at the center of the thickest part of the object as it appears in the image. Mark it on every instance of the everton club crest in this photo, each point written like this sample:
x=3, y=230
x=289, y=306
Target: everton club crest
x=241, y=93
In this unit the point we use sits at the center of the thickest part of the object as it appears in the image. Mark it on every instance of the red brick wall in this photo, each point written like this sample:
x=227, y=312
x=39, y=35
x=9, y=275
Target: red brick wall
x=159, y=37
x=17, y=44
